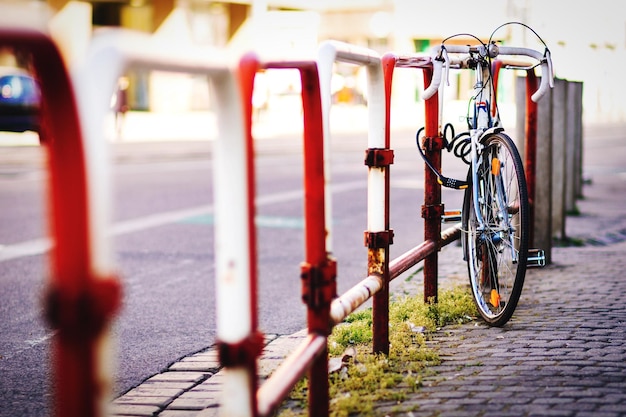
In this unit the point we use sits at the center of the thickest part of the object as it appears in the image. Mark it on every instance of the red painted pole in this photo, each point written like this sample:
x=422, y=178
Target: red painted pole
x=75, y=379
x=432, y=208
x=79, y=304
x=531, y=147
x=380, y=303
x=248, y=68
x=318, y=270
x=243, y=355
x=495, y=73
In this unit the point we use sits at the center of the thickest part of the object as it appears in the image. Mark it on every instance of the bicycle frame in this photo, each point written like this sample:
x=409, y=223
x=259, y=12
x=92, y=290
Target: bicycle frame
x=481, y=114
x=485, y=120
x=495, y=215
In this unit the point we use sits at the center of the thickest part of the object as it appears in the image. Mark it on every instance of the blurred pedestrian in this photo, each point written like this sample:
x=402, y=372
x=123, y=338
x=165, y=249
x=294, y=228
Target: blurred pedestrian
x=120, y=105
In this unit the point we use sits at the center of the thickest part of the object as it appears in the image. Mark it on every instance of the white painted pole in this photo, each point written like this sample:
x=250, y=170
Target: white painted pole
x=329, y=53
x=108, y=57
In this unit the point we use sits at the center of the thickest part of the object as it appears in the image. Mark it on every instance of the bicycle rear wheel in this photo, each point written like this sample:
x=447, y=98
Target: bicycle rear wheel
x=496, y=253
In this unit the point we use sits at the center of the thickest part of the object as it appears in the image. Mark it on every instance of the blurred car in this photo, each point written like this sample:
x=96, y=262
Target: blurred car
x=20, y=98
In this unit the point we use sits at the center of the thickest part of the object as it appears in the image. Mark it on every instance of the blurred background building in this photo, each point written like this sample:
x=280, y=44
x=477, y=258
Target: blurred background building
x=585, y=49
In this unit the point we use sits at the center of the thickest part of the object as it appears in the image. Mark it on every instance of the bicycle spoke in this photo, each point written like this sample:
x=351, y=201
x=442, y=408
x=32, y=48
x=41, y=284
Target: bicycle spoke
x=496, y=249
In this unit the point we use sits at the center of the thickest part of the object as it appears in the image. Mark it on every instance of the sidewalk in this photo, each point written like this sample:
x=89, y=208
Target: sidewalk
x=562, y=354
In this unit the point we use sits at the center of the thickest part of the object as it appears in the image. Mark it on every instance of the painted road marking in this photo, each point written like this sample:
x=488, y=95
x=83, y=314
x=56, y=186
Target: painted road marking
x=42, y=245
x=260, y=221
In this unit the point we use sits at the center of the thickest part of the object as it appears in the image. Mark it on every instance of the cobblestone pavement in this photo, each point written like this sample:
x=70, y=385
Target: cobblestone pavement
x=564, y=351
x=562, y=354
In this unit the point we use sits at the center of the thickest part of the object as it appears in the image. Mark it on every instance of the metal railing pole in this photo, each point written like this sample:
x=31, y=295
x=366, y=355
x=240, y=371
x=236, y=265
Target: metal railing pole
x=432, y=208
x=272, y=392
x=108, y=56
x=432, y=144
x=378, y=159
x=240, y=342
x=530, y=147
x=352, y=299
x=83, y=294
x=318, y=272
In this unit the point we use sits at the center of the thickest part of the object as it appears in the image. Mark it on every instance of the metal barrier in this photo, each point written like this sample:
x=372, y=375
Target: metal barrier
x=109, y=56
x=318, y=271
x=240, y=396
x=433, y=209
x=83, y=293
x=378, y=158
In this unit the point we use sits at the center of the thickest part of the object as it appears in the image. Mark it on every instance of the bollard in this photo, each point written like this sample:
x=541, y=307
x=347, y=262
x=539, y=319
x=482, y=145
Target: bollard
x=559, y=156
x=542, y=203
x=574, y=146
x=528, y=109
x=553, y=161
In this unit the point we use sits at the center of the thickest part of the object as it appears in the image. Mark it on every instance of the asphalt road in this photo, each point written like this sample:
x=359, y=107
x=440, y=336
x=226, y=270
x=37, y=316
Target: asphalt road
x=163, y=240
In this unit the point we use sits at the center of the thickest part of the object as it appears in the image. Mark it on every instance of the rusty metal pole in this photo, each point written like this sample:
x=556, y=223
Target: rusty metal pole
x=530, y=145
x=432, y=208
x=318, y=271
x=75, y=380
x=495, y=73
x=239, y=341
x=378, y=243
x=81, y=299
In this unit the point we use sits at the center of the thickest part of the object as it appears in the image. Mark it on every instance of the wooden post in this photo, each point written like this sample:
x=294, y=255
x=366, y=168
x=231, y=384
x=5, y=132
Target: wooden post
x=559, y=155
x=542, y=233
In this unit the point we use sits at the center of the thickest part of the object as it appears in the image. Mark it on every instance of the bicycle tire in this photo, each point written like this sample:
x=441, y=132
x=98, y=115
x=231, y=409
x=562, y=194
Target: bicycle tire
x=497, y=256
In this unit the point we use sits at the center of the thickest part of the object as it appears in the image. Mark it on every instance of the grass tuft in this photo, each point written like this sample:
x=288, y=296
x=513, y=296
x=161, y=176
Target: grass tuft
x=367, y=378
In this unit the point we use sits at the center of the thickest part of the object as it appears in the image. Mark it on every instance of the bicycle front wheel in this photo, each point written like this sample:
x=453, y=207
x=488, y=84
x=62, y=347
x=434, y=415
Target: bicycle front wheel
x=496, y=250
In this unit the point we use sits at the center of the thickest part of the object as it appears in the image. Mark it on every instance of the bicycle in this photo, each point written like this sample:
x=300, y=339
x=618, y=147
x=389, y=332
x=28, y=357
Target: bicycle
x=495, y=212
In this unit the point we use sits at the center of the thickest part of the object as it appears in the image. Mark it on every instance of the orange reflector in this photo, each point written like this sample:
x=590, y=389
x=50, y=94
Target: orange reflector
x=495, y=298
x=495, y=166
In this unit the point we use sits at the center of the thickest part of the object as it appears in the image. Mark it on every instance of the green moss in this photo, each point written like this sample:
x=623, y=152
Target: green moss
x=374, y=378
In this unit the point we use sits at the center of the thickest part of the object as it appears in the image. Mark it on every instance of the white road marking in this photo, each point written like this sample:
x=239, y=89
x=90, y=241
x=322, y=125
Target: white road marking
x=43, y=245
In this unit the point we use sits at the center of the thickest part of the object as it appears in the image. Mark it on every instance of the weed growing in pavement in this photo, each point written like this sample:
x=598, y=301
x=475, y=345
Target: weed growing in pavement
x=361, y=379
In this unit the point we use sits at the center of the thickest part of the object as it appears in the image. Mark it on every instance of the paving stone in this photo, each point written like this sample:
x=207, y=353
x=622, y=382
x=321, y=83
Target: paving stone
x=179, y=376
x=160, y=402
x=197, y=366
x=133, y=410
x=192, y=403
x=152, y=390
x=179, y=413
x=208, y=412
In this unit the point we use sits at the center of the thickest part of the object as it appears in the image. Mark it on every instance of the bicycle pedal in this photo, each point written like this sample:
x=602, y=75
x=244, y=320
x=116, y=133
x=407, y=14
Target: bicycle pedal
x=452, y=216
x=536, y=258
